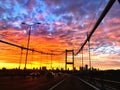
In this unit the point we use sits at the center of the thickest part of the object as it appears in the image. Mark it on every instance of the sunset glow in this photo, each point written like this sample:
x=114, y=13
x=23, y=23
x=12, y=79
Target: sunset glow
x=64, y=25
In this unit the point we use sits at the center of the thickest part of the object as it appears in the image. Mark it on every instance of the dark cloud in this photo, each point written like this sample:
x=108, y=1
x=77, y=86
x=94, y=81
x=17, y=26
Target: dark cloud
x=66, y=20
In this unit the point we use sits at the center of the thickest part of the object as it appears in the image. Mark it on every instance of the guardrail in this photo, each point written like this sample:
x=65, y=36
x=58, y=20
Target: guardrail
x=103, y=84
x=107, y=84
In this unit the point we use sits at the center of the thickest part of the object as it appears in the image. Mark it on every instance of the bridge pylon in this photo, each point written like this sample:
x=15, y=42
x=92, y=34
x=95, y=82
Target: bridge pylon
x=66, y=58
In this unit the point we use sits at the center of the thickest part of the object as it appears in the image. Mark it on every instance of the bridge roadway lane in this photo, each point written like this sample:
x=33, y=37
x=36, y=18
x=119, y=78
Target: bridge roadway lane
x=71, y=83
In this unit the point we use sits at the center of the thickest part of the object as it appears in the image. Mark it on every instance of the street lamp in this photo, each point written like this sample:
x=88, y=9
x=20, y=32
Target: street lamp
x=82, y=59
x=89, y=52
x=51, y=58
x=20, y=57
x=29, y=33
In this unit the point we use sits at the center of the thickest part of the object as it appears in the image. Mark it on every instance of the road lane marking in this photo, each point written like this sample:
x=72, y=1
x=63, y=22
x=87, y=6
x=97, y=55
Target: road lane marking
x=56, y=85
x=89, y=84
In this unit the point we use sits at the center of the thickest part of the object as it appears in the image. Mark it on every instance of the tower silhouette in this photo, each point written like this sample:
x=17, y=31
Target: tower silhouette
x=66, y=58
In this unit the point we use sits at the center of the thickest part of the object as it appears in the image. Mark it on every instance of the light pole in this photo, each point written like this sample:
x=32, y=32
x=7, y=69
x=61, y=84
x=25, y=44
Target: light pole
x=89, y=52
x=32, y=57
x=82, y=59
x=29, y=33
x=20, y=58
x=51, y=59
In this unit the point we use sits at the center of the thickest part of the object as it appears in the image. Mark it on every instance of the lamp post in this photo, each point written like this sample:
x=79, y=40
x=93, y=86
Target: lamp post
x=89, y=52
x=32, y=57
x=82, y=59
x=20, y=58
x=29, y=33
x=51, y=58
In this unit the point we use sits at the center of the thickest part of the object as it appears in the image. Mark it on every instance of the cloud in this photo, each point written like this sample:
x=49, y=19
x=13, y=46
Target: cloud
x=64, y=24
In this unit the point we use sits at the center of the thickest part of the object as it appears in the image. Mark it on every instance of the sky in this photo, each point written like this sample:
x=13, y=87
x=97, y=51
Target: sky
x=64, y=24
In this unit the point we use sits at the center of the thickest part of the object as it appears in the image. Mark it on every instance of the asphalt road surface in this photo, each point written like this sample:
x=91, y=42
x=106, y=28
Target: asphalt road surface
x=71, y=83
x=58, y=83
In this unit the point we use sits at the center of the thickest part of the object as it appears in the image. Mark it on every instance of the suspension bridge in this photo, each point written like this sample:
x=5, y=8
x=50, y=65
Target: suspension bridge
x=85, y=79
x=105, y=11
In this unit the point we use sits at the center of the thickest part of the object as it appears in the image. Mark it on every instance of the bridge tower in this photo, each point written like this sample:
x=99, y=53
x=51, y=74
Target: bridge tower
x=66, y=58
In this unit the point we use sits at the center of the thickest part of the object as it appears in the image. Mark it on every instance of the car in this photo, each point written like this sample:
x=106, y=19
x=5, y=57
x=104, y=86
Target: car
x=35, y=74
x=50, y=75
